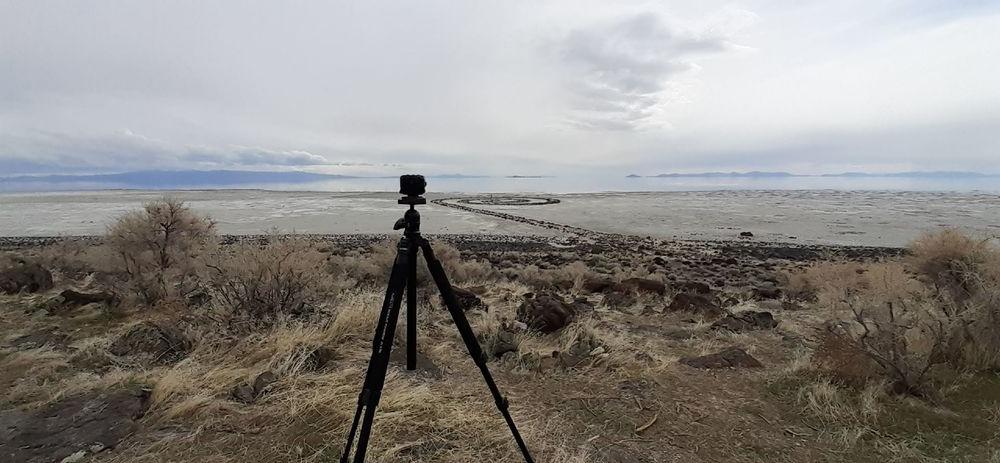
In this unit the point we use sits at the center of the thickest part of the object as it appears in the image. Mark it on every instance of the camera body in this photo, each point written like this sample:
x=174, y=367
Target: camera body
x=413, y=186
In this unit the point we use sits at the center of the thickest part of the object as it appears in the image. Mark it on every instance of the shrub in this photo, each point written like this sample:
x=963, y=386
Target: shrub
x=966, y=274
x=77, y=259
x=939, y=305
x=265, y=282
x=948, y=259
x=159, y=247
x=898, y=324
x=825, y=282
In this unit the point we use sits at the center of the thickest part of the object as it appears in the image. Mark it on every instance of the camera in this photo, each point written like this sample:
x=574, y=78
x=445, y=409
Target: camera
x=413, y=186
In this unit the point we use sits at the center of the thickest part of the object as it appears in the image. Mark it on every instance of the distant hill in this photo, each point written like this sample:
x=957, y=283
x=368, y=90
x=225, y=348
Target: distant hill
x=756, y=174
x=730, y=174
x=173, y=178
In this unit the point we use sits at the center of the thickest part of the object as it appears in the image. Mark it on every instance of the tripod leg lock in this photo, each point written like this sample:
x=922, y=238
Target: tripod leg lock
x=502, y=403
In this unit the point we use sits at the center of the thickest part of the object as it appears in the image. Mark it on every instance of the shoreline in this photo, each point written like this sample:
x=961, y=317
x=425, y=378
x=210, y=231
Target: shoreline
x=513, y=243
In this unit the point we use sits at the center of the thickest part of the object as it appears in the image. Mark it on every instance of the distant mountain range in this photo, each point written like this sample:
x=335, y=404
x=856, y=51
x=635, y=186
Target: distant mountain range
x=757, y=174
x=173, y=178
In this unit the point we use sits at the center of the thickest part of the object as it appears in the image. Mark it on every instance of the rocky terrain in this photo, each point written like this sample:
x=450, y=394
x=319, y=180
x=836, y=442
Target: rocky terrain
x=610, y=348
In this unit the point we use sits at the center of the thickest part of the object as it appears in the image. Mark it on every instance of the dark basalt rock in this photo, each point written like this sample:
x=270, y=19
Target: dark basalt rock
x=750, y=320
x=505, y=343
x=468, y=299
x=51, y=336
x=160, y=344
x=733, y=357
x=643, y=285
x=89, y=423
x=695, y=303
x=263, y=382
x=25, y=276
x=618, y=299
x=242, y=393
x=767, y=291
x=598, y=285
x=73, y=297
x=695, y=287
x=546, y=312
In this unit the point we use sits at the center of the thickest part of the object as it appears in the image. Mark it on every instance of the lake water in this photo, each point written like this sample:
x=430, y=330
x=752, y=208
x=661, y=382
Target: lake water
x=886, y=218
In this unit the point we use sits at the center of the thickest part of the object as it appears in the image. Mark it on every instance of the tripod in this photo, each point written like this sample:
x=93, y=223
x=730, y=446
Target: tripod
x=404, y=275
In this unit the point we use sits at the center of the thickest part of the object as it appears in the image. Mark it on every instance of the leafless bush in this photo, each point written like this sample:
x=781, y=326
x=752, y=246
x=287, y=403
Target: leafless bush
x=159, y=248
x=898, y=324
x=266, y=282
x=939, y=305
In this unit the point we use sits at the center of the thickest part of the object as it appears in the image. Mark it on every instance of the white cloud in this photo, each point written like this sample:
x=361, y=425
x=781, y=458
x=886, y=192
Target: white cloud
x=620, y=69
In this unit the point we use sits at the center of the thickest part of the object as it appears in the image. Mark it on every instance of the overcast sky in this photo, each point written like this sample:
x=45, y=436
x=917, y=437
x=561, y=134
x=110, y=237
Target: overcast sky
x=499, y=87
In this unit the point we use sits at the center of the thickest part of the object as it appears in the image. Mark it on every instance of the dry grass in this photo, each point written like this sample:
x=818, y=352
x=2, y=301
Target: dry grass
x=794, y=409
x=372, y=266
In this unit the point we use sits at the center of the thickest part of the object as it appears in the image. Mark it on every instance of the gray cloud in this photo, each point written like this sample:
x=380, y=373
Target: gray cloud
x=621, y=68
x=253, y=156
x=510, y=87
x=47, y=152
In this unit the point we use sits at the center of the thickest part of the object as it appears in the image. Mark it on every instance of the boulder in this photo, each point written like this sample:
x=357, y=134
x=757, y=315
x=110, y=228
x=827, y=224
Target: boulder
x=694, y=287
x=733, y=357
x=644, y=285
x=73, y=297
x=25, y=276
x=51, y=336
x=618, y=299
x=746, y=234
x=468, y=299
x=87, y=423
x=159, y=343
x=749, y=320
x=546, y=312
x=598, y=285
x=695, y=303
x=242, y=393
x=263, y=382
x=506, y=342
x=767, y=291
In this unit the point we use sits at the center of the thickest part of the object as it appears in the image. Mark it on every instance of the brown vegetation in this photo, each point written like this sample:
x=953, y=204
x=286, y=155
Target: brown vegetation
x=158, y=249
x=255, y=351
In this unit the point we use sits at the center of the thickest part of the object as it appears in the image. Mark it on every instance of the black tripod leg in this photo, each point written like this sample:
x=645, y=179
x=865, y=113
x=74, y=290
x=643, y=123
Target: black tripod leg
x=471, y=343
x=411, y=309
x=371, y=392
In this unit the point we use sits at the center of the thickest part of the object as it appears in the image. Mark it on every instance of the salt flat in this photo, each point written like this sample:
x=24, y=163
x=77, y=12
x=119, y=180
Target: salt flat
x=876, y=218
x=820, y=217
